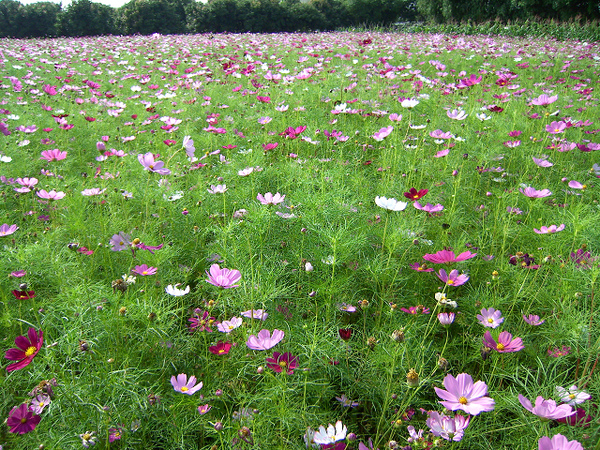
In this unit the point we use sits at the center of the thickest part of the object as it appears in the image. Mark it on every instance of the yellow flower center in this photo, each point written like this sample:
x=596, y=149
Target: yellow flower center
x=87, y=436
x=24, y=420
x=30, y=351
x=145, y=272
x=221, y=351
x=282, y=364
x=490, y=320
x=463, y=400
x=571, y=396
x=41, y=404
x=500, y=347
x=450, y=282
x=184, y=389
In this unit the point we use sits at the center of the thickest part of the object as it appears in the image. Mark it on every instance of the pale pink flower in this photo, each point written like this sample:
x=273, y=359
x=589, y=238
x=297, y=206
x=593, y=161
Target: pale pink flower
x=259, y=314
x=505, y=344
x=53, y=155
x=218, y=189
x=572, y=396
x=533, y=193
x=270, y=199
x=448, y=428
x=428, y=207
x=576, y=185
x=457, y=114
x=224, y=278
x=181, y=384
x=558, y=442
x=491, y=318
x=556, y=127
x=52, y=195
x=227, y=326
x=6, y=229
x=382, y=133
x=446, y=318
x=533, y=320
x=541, y=162
x=265, y=340
x=546, y=409
x=550, y=229
x=461, y=393
x=544, y=100
x=92, y=192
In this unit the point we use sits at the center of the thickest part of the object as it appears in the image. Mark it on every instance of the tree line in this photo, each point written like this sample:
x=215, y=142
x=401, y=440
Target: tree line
x=87, y=18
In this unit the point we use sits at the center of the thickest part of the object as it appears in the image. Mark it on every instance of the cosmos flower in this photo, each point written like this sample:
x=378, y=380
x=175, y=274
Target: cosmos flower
x=544, y=100
x=92, y=192
x=428, y=207
x=224, y=278
x=264, y=340
x=491, y=318
x=448, y=256
x=413, y=194
x=39, y=403
x=383, y=133
x=270, y=199
x=6, y=229
x=346, y=402
x=541, y=162
x=181, y=384
x=448, y=428
x=283, y=362
x=52, y=195
x=227, y=326
x=461, y=393
x=453, y=278
x=331, y=435
x=558, y=442
x=533, y=193
x=203, y=409
x=533, y=320
x=175, y=291
x=21, y=420
x=53, y=155
x=255, y=314
x=546, y=409
x=390, y=203
x=23, y=295
x=446, y=318
x=549, y=230
x=27, y=348
x=144, y=270
x=572, y=396
x=221, y=349
x=218, y=189
x=202, y=322
x=505, y=344
x=147, y=160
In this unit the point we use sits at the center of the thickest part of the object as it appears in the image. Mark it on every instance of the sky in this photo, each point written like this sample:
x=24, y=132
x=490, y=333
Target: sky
x=65, y=3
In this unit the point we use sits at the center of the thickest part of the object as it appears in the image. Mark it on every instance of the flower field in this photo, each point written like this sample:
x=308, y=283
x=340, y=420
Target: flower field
x=334, y=240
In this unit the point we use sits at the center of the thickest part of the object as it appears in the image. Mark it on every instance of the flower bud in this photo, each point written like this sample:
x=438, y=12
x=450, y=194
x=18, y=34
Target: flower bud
x=218, y=426
x=412, y=378
x=398, y=335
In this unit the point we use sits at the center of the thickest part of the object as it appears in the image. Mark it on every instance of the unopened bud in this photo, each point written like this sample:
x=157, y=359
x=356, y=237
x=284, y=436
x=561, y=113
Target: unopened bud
x=412, y=378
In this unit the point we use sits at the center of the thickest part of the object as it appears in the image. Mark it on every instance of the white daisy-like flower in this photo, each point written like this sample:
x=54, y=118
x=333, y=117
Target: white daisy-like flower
x=331, y=435
x=572, y=396
x=390, y=203
x=175, y=291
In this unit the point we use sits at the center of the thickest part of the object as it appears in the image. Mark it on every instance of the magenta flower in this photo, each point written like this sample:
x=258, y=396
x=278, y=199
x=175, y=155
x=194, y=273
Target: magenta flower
x=50, y=90
x=283, y=362
x=224, y=278
x=558, y=442
x=532, y=193
x=582, y=259
x=420, y=267
x=52, y=195
x=53, y=155
x=428, y=207
x=114, y=434
x=416, y=310
x=6, y=229
x=221, y=349
x=181, y=384
x=546, y=409
x=533, y=320
x=27, y=348
x=550, y=229
x=270, y=199
x=21, y=420
x=413, y=194
x=150, y=164
x=453, y=278
x=447, y=257
x=264, y=340
x=144, y=270
x=490, y=318
x=505, y=344
x=448, y=428
x=202, y=322
x=557, y=352
x=203, y=409
x=461, y=393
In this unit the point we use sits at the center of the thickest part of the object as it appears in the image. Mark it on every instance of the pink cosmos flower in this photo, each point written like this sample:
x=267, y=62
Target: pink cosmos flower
x=448, y=256
x=6, y=229
x=203, y=409
x=420, y=267
x=461, y=393
x=53, y=155
x=428, y=207
x=39, y=403
x=144, y=270
x=383, y=133
x=446, y=318
x=557, y=352
x=27, y=348
x=93, y=191
x=283, y=362
x=52, y=195
x=416, y=310
x=181, y=384
x=255, y=314
x=550, y=229
x=533, y=320
x=21, y=420
x=541, y=162
x=505, y=344
x=227, y=326
x=556, y=127
x=264, y=340
x=147, y=160
x=224, y=278
x=270, y=199
x=453, y=278
x=532, y=193
x=573, y=184
x=448, y=428
x=218, y=189
x=457, y=114
x=546, y=409
x=439, y=134
x=490, y=318
x=544, y=100
x=50, y=90
x=558, y=442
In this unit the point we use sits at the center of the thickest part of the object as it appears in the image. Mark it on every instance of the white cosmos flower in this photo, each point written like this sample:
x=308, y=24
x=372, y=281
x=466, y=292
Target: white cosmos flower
x=331, y=435
x=175, y=291
x=390, y=203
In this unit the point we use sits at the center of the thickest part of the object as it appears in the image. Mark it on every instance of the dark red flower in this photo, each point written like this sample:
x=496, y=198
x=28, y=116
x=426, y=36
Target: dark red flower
x=26, y=351
x=23, y=295
x=345, y=333
x=283, y=362
x=413, y=194
x=222, y=348
x=21, y=420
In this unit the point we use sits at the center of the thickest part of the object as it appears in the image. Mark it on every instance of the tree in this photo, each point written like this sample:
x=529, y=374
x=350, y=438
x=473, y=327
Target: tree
x=153, y=16
x=85, y=18
x=40, y=19
x=11, y=18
